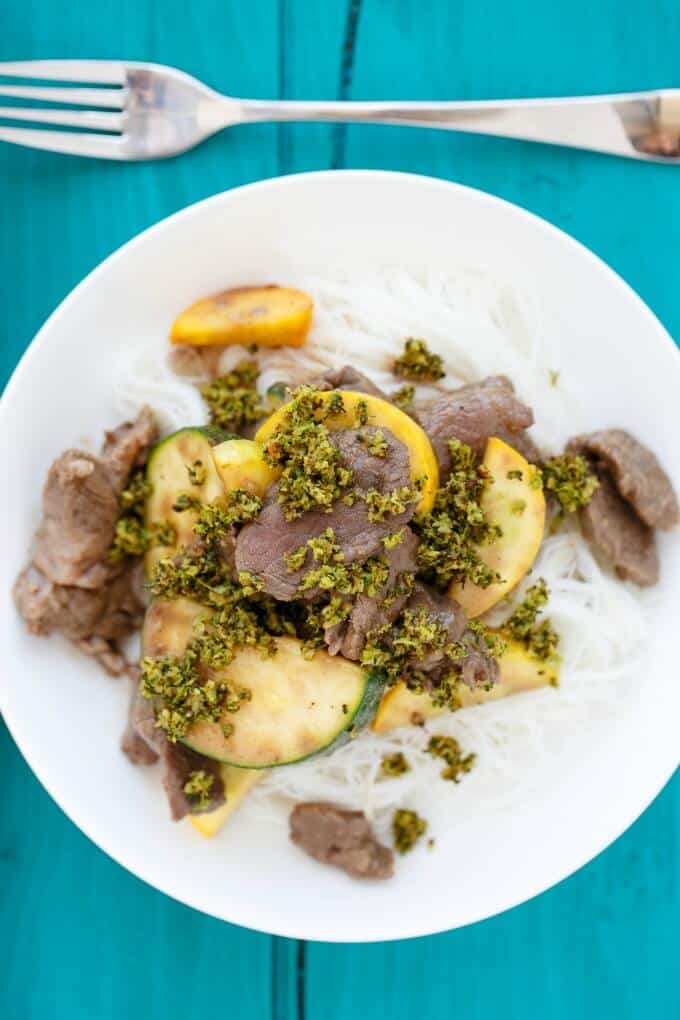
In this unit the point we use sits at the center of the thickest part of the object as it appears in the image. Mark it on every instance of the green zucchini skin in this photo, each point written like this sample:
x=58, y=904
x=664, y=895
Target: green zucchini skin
x=167, y=475
x=362, y=717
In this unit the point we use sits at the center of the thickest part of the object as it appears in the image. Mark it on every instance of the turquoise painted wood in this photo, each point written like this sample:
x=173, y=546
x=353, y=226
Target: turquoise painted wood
x=79, y=937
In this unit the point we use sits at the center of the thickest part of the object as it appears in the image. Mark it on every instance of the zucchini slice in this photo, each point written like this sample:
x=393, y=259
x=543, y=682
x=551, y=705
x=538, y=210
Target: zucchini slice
x=168, y=472
x=298, y=707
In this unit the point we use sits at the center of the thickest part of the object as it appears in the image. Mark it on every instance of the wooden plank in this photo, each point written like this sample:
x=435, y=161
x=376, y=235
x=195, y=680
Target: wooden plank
x=310, y=67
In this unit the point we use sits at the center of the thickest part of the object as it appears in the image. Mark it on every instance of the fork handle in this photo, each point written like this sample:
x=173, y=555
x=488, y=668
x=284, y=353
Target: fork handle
x=603, y=123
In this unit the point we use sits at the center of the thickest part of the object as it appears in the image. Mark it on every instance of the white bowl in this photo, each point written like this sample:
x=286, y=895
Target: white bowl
x=66, y=718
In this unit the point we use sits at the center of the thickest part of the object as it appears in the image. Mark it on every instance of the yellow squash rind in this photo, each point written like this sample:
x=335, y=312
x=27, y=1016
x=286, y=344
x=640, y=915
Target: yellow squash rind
x=241, y=465
x=381, y=414
x=513, y=553
x=269, y=316
x=519, y=672
x=237, y=783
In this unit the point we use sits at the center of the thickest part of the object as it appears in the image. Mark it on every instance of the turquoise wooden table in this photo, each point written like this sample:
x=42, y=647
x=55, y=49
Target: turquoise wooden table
x=80, y=937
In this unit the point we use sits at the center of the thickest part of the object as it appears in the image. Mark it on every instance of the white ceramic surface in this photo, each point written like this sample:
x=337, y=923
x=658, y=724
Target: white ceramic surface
x=66, y=718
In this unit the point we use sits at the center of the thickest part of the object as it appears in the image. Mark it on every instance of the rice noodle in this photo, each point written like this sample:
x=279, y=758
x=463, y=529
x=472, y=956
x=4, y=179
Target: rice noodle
x=482, y=325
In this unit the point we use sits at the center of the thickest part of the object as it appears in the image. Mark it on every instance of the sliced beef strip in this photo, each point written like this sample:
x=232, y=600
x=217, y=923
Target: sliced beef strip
x=133, y=744
x=104, y=652
x=71, y=586
x=610, y=524
x=636, y=473
x=177, y=763
x=370, y=472
x=262, y=544
x=109, y=612
x=196, y=362
x=341, y=838
x=368, y=613
x=473, y=414
x=127, y=446
x=80, y=510
x=347, y=378
x=144, y=743
x=479, y=668
x=81, y=506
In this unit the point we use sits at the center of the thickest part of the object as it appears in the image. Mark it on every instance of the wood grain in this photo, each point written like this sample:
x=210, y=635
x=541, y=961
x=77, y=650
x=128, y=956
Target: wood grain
x=82, y=938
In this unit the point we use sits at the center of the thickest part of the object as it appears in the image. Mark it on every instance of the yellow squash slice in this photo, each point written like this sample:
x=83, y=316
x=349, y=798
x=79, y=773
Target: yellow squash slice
x=518, y=507
x=269, y=316
x=237, y=783
x=241, y=465
x=381, y=414
x=519, y=672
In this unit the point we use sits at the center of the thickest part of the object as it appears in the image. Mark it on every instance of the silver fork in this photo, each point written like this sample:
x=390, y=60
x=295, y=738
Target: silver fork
x=147, y=111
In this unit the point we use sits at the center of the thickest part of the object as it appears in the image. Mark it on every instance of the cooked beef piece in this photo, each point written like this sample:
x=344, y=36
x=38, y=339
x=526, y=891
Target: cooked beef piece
x=71, y=586
x=342, y=838
x=370, y=472
x=81, y=506
x=263, y=543
x=473, y=414
x=104, y=652
x=196, y=362
x=610, y=525
x=80, y=509
x=636, y=473
x=93, y=619
x=144, y=743
x=349, y=637
x=143, y=721
x=178, y=762
x=442, y=609
x=347, y=378
x=133, y=744
x=127, y=446
x=479, y=668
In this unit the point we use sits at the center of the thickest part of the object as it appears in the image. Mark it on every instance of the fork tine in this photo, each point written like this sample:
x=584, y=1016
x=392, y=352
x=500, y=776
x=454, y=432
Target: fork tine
x=110, y=98
x=71, y=142
x=96, y=120
x=101, y=72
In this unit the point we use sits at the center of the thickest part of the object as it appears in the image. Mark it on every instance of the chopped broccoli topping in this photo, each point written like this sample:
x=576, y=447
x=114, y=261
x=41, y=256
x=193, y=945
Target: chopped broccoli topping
x=393, y=540
x=407, y=828
x=403, y=397
x=313, y=473
x=448, y=749
x=540, y=640
x=132, y=537
x=394, y=764
x=378, y=445
x=452, y=531
x=419, y=363
x=198, y=787
x=380, y=504
x=570, y=480
x=233, y=399
x=416, y=634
